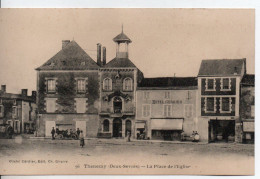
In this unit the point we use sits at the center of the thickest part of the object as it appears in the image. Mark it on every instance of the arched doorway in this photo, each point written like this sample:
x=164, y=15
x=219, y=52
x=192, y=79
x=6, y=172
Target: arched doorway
x=117, y=103
x=128, y=127
x=117, y=127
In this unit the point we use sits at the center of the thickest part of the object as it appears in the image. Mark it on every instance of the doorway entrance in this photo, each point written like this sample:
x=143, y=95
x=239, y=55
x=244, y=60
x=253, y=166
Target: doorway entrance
x=221, y=130
x=117, y=127
x=128, y=127
x=117, y=105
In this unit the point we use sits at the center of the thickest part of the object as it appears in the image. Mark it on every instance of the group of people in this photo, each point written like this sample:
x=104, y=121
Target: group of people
x=79, y=135
x=194, y=136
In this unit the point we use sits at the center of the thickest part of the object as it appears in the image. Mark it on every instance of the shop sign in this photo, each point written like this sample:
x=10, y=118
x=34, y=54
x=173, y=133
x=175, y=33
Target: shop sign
x=248, y=126
x=167, y=101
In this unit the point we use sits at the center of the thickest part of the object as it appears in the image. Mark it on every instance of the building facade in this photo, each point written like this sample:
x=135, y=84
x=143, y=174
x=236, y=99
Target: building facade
x=118, y=82
x=166, y=107
x=68, y=92
x=219, y=95
x=113, y=99
x=247, y=109
x=18, y=110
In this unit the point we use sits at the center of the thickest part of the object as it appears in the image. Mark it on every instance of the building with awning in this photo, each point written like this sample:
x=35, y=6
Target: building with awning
x=166, y=106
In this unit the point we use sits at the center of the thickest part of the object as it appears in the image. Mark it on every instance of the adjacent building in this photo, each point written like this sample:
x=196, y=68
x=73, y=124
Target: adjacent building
x=166, y=107
x=18, y=110
x=246, y=134
x=219, y=95
x=68, y=91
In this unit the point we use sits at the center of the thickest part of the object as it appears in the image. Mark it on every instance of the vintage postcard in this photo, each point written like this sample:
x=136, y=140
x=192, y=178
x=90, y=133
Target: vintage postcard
x=127, y=91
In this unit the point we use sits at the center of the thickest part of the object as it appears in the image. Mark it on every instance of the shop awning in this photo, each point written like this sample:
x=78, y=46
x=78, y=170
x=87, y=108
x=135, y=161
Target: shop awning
x=166, y=124
x=139, y=125
x=248, y=126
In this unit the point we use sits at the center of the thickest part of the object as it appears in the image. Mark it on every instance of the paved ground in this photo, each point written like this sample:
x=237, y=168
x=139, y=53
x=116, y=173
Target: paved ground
x=117, y=155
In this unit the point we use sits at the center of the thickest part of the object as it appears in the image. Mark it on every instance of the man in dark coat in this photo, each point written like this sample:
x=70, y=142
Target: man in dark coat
x=53, y=133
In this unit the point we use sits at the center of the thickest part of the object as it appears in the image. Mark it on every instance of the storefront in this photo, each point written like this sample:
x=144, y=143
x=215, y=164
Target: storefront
x=166, y=129
x=221, y=130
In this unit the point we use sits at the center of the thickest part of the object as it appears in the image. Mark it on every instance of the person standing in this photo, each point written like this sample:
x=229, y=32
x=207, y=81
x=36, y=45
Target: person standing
x=78, y=133
x=53, y=133
x=81, y=138
x=128, y=136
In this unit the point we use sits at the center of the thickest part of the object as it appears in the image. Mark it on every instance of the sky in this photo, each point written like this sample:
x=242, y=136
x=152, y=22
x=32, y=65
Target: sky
x=165, y=42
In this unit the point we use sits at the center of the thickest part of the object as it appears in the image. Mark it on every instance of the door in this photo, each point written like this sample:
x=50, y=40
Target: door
x=82, y=125
x=48, y=127
x=117, y=127
x=128, y=127
x=117, y=105
x=17, y=127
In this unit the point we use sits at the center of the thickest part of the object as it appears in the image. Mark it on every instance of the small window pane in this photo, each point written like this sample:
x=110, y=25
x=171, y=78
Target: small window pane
x=210, y=104
x=225, y=104
x=210, y=83
x=225, y=83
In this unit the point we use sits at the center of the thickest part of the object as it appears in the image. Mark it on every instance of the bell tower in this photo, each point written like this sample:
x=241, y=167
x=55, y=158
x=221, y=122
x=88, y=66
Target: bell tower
x=122, y=42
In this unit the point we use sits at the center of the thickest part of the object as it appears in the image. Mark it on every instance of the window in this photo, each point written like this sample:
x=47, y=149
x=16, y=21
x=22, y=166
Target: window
x=81, y=85
x=210, y=84
x=106, y=125
x=167, y=110
x=128, y=84
x=107, y=84
x=210, y=105
x=146, y=95
x=14, y=111
x=51, y=105
x=225, y=84
x=146, y=110
x=167, y=95
x=188, y=110
x=81, y=105
x=1, y=111
x=51, y=85
x=225, y=104
x=252, y=111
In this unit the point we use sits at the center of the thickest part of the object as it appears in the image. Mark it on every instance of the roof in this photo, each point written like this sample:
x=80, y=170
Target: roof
x=122, y=38
x=16, y=96
x=120, y=63
x=169, y=82
x=71, y=57
x=248, y=80
x=222, y=67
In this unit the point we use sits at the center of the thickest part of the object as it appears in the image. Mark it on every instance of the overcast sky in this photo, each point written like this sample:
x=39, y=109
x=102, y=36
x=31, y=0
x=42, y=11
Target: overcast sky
x=164, y=41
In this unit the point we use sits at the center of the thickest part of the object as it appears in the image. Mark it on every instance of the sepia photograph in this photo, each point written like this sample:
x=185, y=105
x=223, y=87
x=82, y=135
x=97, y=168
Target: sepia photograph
x=147, y=91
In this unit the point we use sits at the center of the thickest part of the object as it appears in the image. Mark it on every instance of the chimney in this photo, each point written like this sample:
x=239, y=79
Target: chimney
x=34, y=94
x=65, y=43
x=3, y=88
x=104, y=56
x=24, y=92
x=99, y=54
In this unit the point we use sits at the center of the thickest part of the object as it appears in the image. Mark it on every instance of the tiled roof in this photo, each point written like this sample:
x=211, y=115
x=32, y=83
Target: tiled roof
x=169, y=82
x=122, y=37
x=119, y=62
x=16, y=96
x=71, y=57
x=222, y=67
x=248, y=80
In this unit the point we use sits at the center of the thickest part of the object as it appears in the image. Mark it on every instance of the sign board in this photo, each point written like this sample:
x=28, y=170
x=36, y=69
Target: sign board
x=166, y=124
x=249, y=126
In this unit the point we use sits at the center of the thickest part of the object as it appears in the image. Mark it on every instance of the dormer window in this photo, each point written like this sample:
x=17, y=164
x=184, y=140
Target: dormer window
x=225, y=84
x=107, y=84
x=210, y=84
x=128, y=84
